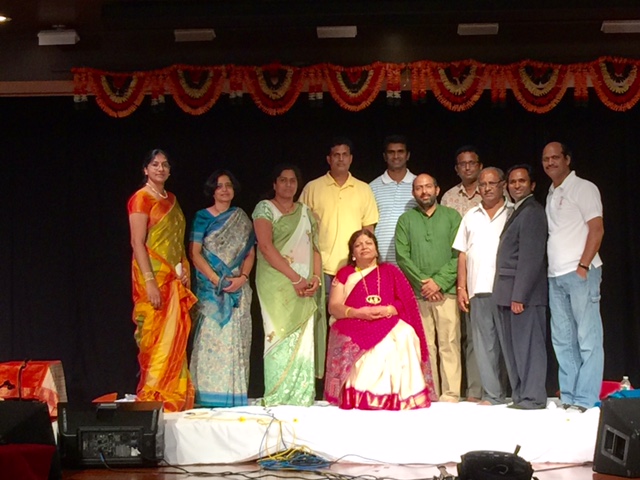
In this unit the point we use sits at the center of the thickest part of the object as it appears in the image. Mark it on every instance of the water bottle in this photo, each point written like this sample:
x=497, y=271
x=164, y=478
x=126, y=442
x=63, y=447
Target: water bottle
x=625, y=384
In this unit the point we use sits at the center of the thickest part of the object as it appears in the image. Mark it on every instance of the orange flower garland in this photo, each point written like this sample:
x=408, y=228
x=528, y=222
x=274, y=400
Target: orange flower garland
x=538, y=87
x=274, y=88
x=117, y=94
x=354, y=88
x=196, y=89
x=457, y=85
x=616, y=82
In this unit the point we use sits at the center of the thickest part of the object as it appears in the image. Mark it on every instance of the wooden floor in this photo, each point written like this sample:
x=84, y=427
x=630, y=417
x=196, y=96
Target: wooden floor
x=345, y=471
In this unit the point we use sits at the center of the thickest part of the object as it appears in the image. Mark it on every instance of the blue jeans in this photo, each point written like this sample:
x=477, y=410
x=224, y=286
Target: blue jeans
x=576, y=333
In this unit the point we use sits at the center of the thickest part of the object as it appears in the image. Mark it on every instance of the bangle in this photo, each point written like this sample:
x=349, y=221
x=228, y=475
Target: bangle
x=244, y=275
x=299, y=280
x=462, y=288
x=582, y=265
x=346, y=312
x=319, y=280
x=148, y=276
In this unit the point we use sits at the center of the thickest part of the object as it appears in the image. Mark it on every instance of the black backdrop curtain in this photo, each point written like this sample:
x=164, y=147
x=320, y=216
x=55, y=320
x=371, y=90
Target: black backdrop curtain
x=66, y=176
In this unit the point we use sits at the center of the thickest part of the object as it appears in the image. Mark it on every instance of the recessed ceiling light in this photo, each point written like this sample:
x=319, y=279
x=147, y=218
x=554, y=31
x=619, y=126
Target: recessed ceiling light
x=4, y=19
x=478, y=28
x=620, y=26
x=194, y=35
x=337, y=32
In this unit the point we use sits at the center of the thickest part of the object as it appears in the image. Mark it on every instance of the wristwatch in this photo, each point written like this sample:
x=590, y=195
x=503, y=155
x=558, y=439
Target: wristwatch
x=582, y=265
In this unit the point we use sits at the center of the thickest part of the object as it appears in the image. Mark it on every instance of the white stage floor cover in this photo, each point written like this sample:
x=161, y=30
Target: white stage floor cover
x=437, y=435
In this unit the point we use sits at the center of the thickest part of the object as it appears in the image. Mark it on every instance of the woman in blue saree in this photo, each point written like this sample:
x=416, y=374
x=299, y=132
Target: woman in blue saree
x=222, y=250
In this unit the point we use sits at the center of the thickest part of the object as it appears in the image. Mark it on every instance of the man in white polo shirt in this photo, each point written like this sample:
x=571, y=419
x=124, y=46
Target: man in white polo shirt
x=393, y=191
x=574, y=215
x=477, y=241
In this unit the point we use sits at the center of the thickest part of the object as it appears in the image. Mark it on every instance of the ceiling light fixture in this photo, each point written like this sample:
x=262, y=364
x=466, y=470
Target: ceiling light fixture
x=478, y=28
x=4, y=19
x=620, y=26
x=58, y=36
x=194, y=35
x=337, y=32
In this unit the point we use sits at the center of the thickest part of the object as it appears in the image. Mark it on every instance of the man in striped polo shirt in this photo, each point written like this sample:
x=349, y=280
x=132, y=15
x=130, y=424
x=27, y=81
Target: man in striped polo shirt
x=393, y=193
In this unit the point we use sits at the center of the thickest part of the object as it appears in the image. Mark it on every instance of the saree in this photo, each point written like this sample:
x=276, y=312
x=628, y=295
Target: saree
x=294, y=327
x=222, y=335
x=162, y=335
x=379, y=364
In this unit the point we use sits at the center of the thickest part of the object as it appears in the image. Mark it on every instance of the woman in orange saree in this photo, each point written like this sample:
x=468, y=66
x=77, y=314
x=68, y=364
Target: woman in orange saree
x=161, y=295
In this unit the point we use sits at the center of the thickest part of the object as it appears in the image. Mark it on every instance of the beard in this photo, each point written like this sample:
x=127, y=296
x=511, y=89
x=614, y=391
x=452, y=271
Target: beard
x=428, y=203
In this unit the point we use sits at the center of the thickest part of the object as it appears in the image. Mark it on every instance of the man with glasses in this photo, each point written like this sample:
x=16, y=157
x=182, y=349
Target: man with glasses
x=477, y=241
x=462, y=198
x=574, y=214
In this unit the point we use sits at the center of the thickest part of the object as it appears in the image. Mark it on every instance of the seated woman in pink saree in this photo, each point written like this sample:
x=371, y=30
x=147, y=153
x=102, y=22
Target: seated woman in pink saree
x=377, y=358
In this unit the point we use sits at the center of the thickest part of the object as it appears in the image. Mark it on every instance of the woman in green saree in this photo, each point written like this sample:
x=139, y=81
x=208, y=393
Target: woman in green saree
x=290, y=292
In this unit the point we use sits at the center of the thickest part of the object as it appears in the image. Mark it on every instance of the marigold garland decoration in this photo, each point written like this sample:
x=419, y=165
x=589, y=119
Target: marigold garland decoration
x=538, y=87
x=354, y=88
x=118, y=94
x=274, y=88
x=580, y=73
x=498, y=84
x=616, y=82
x=196, y=89
x=418, y=81
x=457, y=85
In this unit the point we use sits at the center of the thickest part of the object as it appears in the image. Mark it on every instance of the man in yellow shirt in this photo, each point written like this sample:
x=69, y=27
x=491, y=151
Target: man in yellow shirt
x=342, y=204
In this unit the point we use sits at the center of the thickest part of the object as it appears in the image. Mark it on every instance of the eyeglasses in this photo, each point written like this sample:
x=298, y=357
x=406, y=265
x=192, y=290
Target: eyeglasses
x=489, y=184
x=469, y=164
x=229, y=185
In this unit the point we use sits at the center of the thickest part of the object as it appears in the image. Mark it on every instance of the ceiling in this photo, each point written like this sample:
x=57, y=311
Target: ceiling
x=125, y=35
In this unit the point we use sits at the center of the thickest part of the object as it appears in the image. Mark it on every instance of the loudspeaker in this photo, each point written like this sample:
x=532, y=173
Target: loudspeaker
x=28, y=422
x=127, y=434
x=618, y=442
x=490, y=465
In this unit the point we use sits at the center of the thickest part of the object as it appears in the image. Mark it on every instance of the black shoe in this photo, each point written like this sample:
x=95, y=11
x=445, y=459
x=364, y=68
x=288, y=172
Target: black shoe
x=518, y=406
x=565, y=406
x=577, y=408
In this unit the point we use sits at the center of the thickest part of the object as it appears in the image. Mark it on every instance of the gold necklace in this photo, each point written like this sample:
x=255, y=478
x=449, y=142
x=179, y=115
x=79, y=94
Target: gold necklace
x=372, y=299
x=157, y=192
x=286, y=211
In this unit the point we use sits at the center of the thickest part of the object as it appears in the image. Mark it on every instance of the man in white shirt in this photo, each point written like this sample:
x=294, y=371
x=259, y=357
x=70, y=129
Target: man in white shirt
x=574, y=215
x=393, y=193
x=477, y=241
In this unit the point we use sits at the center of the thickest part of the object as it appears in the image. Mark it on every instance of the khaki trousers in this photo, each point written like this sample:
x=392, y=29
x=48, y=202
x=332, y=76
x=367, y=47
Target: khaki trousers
x=441, y=322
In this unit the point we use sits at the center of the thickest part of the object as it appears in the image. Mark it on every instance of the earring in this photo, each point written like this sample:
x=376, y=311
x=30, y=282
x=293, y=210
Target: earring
x=353, y=259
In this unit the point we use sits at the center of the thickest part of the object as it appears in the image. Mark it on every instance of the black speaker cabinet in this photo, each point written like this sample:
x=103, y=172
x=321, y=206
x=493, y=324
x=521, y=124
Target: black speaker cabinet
x=127, y=434
x=28, y=421
x=618, y=443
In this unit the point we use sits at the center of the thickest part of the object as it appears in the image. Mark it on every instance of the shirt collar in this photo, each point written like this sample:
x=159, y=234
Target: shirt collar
x=332, y=181
x=569, y=179
x=408, y=178
x=519, y=202
x=463, y=191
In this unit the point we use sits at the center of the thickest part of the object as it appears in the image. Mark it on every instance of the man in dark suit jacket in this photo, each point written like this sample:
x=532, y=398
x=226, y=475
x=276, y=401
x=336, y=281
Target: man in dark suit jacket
x=520, y=291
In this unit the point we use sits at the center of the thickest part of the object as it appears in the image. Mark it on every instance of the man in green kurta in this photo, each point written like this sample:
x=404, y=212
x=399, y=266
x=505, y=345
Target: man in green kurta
x=424, y=236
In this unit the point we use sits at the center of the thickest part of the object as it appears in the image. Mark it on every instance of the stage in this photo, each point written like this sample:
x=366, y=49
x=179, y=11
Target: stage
x=436, y=435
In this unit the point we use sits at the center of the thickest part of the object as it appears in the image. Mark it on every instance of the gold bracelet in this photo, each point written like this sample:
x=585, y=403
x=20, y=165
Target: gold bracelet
x=299, y=280
x=148, y=276
x=319, y=280
x=346, y=312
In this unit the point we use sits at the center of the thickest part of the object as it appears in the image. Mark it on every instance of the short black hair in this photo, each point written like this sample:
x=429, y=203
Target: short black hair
x=211, y=184
x=277, y=171
x=466, y=148
x=394, y=139
x=335, y=141
x=524, y=166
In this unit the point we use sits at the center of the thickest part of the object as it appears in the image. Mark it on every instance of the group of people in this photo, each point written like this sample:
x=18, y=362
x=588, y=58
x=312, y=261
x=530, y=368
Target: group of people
x=439, y=287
